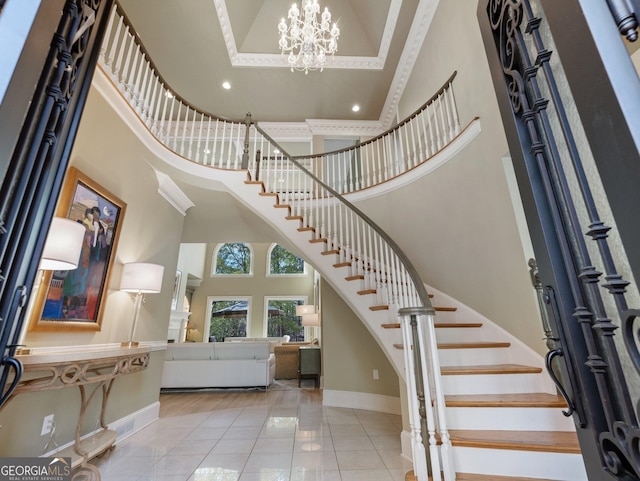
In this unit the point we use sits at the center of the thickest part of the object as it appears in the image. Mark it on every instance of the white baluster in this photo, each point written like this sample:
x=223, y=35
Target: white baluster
x=454, y=109
x=175, y=133
x=108, y=59
x=185, y=123
x=126, y=39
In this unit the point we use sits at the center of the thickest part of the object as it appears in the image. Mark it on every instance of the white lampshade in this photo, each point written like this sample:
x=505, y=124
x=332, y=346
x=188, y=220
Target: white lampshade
x=305, y=309
x=310, y=320
x=141, y=277
x=63, y=245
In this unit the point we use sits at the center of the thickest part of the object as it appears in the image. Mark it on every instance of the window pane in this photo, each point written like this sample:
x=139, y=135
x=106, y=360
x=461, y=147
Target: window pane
x=284, y=262
x=228, y=319
x=282, y=319
x=233, y=258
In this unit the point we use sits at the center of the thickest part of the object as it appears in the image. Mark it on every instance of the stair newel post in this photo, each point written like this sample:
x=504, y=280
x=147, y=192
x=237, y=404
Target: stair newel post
x=245, y=152
x=420, y=414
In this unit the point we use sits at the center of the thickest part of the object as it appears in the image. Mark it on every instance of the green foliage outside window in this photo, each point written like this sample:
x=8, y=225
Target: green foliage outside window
x=233, y=258
x=283, y=320
x=284, y=262
x=231, y=324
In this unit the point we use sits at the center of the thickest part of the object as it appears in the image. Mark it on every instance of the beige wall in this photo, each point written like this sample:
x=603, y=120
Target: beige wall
x=151, y=232
x=458, y=224
x=257, y=287
x=350, y=353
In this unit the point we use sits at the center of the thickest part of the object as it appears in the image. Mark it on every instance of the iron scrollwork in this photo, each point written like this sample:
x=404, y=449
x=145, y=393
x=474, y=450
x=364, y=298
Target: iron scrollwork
x=532, y=90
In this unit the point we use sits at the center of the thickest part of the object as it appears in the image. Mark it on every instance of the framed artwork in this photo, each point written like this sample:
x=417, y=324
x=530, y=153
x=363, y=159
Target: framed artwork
x=176, y=291
x=73, y=300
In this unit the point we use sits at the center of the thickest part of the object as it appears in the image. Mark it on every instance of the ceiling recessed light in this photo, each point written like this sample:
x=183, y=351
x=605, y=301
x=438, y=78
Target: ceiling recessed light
x=206, y=151
x=355, y=108
x=276, y=151
x=226, y=85
x=168, y=94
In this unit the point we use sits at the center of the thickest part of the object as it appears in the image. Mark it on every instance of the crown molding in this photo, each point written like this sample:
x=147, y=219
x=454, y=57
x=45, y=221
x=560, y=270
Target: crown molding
x=337, y=61
x=417, y=33
x=172, y=193
x=304, y=131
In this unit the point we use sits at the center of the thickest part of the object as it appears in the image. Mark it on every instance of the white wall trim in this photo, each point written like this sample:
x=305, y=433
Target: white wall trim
x=361, y=400
x=125, y=427
x=405, y=445
x=137, y=420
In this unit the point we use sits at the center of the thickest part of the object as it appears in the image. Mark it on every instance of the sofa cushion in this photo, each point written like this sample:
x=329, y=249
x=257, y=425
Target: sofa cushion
x=189, y=351
x=240, y=350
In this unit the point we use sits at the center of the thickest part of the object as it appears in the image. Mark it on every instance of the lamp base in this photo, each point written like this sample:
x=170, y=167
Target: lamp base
x=23, y=351
x=129, y=344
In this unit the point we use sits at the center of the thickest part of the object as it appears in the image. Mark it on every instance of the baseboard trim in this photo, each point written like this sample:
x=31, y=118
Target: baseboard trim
x=405, y=445
x=125, y=427
x=134, y=422
x=361, y=400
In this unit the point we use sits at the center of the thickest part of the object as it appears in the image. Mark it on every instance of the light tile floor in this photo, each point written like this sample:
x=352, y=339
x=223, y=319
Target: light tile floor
x=262, y=442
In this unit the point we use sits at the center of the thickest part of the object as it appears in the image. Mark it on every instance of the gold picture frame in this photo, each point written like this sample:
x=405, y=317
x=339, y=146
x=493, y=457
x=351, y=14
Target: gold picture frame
x=73, y=300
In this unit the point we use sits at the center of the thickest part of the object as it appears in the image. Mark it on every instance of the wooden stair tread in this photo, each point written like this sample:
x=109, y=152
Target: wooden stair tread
x=466, y=345
x=546, y=441
x=490, y=369
x=331, y=252
x=366, y=292
x=457, y=324
x=342, y=264
x=305, y=229
x=410, y=476
x=535, y=399
x=492, y=477
x=437, y=309
x=318, y=240
x=396, y=325
x=294, y=217
x=473, y=345
x=359, y=277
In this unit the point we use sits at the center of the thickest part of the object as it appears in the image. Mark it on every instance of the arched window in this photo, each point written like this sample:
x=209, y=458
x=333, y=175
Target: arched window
x=283, y=263
x=235, y=258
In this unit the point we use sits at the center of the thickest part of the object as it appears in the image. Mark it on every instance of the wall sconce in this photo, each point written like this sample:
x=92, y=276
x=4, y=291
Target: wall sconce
x=141, y=278
x=63, y=245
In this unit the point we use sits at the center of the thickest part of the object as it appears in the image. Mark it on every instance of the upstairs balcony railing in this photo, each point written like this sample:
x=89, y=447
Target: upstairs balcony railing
x=312, y=188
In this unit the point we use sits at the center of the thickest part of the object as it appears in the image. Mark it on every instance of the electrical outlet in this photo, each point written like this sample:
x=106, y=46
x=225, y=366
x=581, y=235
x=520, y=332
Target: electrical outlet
x=375, y=374
x=47, y=425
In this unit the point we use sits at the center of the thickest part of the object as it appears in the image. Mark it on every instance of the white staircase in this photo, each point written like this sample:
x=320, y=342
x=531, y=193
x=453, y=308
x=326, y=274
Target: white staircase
x=503, y=415
x=502, y=421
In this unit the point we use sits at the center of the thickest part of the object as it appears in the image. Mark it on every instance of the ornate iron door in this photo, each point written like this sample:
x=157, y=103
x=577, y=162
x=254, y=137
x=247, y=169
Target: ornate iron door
x=584, y=238
x=31, y=182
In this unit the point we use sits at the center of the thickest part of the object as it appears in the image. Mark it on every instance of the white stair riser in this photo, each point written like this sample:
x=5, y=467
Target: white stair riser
x=528, y=464
x=508, y=418
x=493, y=383
x=468, y=357
x=463, y=334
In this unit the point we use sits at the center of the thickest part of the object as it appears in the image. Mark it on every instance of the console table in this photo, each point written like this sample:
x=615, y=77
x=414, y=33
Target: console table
x=78, y=368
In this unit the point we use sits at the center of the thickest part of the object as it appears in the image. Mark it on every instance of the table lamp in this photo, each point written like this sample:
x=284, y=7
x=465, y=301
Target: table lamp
x=140, y=278
x=62, y=248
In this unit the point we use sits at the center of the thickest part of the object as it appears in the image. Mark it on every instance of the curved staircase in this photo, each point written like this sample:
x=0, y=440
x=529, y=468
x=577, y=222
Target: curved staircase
x=504, y=417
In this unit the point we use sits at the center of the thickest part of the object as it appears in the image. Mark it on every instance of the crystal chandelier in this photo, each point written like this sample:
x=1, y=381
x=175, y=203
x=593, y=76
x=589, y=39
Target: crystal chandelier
x=307, y=41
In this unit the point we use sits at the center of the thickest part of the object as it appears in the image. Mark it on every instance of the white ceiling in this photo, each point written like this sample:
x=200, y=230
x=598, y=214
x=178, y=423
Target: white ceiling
x=198, y=44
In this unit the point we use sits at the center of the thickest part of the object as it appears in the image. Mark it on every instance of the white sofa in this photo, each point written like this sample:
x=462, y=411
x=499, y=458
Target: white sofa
x=218, y=364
